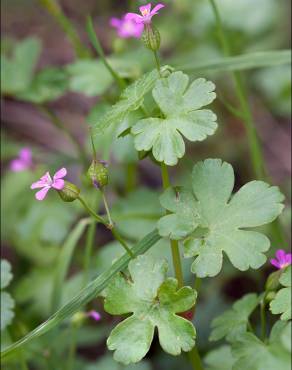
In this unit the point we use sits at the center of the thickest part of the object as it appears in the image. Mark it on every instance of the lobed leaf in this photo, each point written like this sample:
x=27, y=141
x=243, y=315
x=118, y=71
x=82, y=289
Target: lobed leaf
x=281, y=304
x=180, y=106
x=94, y=288
x=153, y=301
x=214, y=221
x=233, y=323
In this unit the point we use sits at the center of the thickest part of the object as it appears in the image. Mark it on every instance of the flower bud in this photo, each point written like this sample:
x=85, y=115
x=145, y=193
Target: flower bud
x=270, y=296
x=151, y=37
x=78, y=318
x=98, y=173
x=69, y=193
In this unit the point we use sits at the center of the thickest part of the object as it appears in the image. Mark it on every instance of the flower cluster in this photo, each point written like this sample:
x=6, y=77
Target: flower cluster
x=132, y=24
x=22, y=162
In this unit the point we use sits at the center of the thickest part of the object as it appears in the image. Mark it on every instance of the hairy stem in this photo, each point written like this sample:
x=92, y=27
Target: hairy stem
x=195, y=359
x=263, y=318
x=111, y=224
x=131, y=176
x=157, y=61
x=101, y=220
x=88, y=251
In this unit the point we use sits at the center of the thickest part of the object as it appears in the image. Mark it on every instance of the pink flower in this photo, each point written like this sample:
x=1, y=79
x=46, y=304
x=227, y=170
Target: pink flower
x=146, y=12
x=282, y=259
x=94, y=315
x=127, y=28
x=46, y=183
x=22, y=162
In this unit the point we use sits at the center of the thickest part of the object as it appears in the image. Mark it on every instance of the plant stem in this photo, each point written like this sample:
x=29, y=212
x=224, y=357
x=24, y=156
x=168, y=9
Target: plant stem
x=195, y=359
x=53, y=7
x=263, y=318
x=97, y=46
x=157, y=61
x=109, y=226
x=254, y=144
x=60, y=125
x=173, y=243
x=72, y=349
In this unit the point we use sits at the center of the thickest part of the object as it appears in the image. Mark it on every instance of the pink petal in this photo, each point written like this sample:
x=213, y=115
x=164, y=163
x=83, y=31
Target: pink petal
x=58, y=184
x=46, y=179
x=95, y=315
x=38, y=184
x=115, y=22
x=281, y=254
x=145, y=7
x=134, y=17
x=60, y=174
x=156, y=8
x=17, y=165
x=288, y=259
x=25, y=154
x=40, y=195
x=275, y=263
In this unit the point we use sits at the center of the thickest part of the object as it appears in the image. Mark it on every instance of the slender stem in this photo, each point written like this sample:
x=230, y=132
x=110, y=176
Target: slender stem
x=254, y=144
x=72, y=348
x=109, y=226
x=53, y=7
x=97, y=46
x=60, y=125
x=91, y=212
x=173, y=243
x=157, y=61
x=263, y=318
x=195, y=359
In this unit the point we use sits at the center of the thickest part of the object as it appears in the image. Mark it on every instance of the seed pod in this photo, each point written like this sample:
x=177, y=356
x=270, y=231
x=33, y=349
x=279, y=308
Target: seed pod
x=151, y=37
x=98, y=173
x=69, y=193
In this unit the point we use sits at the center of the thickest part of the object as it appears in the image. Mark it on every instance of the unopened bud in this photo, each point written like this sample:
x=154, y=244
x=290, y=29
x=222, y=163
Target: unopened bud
x=151, y=37
x=98, y=173
x=78, y=318
x=70, y=192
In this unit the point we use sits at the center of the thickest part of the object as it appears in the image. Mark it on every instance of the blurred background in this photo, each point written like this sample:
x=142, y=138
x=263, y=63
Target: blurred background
x=53, y=87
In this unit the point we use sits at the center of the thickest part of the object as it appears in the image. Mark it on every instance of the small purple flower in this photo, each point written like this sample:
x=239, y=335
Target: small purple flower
x=94, y=315
x=22, y=162
x=146, y=12
x=127, y=28
x=46, y=183
x=282, y=259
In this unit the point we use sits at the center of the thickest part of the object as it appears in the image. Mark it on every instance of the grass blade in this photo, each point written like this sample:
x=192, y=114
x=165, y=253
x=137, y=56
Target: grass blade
x=64, y=260
x=85, y=295
x=241, y=62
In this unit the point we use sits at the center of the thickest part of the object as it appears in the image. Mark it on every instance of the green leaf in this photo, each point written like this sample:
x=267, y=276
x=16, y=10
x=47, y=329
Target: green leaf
x=6, y=275
x=281, y=304
x=94, y=288
x=219, y=359
x=242, y=62
x=131, y=99
x=89, y=77
x=7, y=305
x=64, y=259
x=223, y=220
x=154, y=301
x=181, y=105
x=49, y=84
x=250, y=353
x=17, y=71
x=233, y=323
